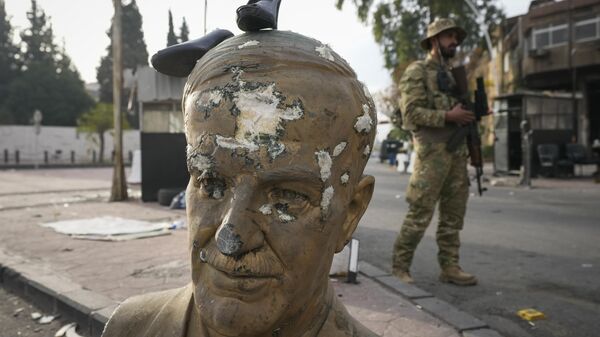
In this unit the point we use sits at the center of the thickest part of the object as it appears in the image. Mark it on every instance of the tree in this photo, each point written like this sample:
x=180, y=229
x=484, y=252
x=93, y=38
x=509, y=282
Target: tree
x=47, y=81
x=9, y=67
x=171, y=37
x=97, y=121
x=135, y=52
x=399, y=25
x=184, y=32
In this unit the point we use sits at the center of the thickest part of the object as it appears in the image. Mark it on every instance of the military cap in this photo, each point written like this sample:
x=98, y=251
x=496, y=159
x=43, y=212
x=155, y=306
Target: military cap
x=440, y=25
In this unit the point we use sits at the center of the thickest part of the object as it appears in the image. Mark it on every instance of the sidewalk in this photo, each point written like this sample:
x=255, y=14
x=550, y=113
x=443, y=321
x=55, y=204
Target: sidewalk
x=85, y=280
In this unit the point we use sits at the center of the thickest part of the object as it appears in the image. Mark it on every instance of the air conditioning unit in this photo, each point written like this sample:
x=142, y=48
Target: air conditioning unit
x=539, y=53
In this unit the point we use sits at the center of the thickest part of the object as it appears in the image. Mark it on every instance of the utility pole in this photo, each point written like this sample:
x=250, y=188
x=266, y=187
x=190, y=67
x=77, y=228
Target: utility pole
x=119, y=186
x=573, y=68
x=205, y=11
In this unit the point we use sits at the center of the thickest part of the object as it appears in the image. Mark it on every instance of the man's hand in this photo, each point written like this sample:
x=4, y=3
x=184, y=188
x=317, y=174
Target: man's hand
x=459, y=115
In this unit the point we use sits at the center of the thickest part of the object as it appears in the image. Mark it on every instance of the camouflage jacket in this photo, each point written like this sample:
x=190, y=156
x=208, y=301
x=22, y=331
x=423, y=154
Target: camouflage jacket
x=423, y=104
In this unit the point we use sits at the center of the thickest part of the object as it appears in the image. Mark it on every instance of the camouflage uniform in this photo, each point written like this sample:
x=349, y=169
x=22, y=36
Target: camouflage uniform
x=439, y=175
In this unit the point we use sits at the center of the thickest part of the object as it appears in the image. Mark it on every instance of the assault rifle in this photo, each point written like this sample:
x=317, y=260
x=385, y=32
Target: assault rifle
x=470, y=132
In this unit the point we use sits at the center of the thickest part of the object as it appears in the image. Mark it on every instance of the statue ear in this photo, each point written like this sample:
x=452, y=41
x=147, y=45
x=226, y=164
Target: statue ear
x=357, y=207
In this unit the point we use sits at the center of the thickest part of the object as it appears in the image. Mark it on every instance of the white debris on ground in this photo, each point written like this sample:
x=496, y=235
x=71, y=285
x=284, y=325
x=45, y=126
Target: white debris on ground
x=110, y=228
x=69, y=330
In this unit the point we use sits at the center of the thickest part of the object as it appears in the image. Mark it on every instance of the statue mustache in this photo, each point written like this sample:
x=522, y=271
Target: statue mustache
x=258, y=263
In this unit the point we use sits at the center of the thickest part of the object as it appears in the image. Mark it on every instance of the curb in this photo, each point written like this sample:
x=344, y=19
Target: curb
x=466, y=324
x=55, y=294
x=91, y=310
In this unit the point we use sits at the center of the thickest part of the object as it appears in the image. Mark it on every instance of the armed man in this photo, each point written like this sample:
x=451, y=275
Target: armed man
x=432, y=112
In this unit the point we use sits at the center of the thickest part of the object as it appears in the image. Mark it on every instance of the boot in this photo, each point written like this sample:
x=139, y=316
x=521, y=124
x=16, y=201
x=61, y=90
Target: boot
x=403, y=275
x=179, y=60
x=258, y=14
x=454, y=274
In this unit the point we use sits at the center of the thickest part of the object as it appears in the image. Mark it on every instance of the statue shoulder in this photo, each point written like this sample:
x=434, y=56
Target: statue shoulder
x=151, y=314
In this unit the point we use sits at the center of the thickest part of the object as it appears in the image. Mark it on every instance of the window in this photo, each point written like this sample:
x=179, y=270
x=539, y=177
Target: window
x=549, y=37
x=587, y=29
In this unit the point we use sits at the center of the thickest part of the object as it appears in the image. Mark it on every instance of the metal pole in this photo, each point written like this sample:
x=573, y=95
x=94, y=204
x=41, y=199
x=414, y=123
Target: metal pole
x=573, y=69
x=205, y=10
x=119, y=187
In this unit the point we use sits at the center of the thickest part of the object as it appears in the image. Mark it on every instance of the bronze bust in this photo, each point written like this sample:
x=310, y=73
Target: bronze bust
x=279, y=131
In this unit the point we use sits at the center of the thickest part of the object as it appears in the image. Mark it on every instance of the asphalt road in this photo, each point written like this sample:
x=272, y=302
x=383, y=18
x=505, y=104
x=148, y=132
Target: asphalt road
x=536, y=248
x=16, y=321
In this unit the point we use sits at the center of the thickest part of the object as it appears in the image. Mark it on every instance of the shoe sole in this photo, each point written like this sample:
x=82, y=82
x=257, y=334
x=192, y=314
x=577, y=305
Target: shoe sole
x=254, y=19
x=446, y=279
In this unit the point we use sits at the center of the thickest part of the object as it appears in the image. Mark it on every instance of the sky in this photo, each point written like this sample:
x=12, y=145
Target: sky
x=82, y=28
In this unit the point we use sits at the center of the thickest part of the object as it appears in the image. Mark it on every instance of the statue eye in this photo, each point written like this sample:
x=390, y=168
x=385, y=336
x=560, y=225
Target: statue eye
x=210, y=186
x=293, y=199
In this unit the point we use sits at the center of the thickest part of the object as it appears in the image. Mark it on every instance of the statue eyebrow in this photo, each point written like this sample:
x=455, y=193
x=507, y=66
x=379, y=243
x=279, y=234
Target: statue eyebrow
x=293, y=173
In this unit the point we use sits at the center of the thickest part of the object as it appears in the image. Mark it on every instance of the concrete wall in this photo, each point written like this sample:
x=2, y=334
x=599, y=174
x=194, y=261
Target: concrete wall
x=59, y=142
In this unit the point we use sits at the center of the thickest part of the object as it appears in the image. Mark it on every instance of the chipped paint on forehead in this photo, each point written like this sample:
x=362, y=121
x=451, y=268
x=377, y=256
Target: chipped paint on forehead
x=367, y=151
x=364, y=123
x=234, y=144
x=326, y=200
x=260, y=117
x=249, y=44
x=325, y=163
x=325, y=52
x=345, y=178
x=266, y=209
x=339, y=148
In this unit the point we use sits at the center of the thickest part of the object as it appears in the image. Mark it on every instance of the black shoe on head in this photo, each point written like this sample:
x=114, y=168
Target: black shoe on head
x=179, y=60
x=258, y=14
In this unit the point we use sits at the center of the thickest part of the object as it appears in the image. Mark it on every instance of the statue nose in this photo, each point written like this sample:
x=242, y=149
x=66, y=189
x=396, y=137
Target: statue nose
x=239, y=233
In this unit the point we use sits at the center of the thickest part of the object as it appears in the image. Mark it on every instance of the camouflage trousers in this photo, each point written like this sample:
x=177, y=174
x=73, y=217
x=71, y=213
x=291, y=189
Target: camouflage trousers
x=438, y=176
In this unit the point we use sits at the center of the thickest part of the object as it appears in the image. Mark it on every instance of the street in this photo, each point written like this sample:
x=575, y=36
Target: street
x=534, y=248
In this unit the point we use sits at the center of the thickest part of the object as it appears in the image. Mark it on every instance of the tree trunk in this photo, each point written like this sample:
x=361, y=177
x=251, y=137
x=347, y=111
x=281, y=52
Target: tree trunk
x=101, y=152
x=119, y=186
x=431, y=11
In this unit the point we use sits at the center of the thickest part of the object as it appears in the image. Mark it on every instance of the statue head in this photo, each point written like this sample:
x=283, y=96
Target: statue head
x=279, y=131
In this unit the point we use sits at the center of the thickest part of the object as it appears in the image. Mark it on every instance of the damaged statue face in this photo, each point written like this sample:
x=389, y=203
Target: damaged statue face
x=276, y=150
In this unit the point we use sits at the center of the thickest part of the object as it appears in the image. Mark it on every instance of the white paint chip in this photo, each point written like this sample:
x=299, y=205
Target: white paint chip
x=284, y=217
x=233, y=144
x=326, y=199
x=367, y=151
x=345, y=178
x=339, y=148
x=249, y=44
x=209, y=98
x=266, y=209
x=364, y=123
x=259, y=117
x=198, y=161
x=325, y=164
x=325, y=52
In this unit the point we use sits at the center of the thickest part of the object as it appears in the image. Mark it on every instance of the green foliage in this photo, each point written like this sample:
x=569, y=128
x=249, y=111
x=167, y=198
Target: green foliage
x=184, y=32
x=97, y=121
x=9, y=66
x=44, y=78
x=171, y=37
x=399, y=25
x=487, y=153
x=399, y=134
x=135, y=52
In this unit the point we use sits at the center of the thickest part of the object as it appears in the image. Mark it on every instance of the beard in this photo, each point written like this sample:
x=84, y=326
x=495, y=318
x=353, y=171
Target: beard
x=448, y=52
